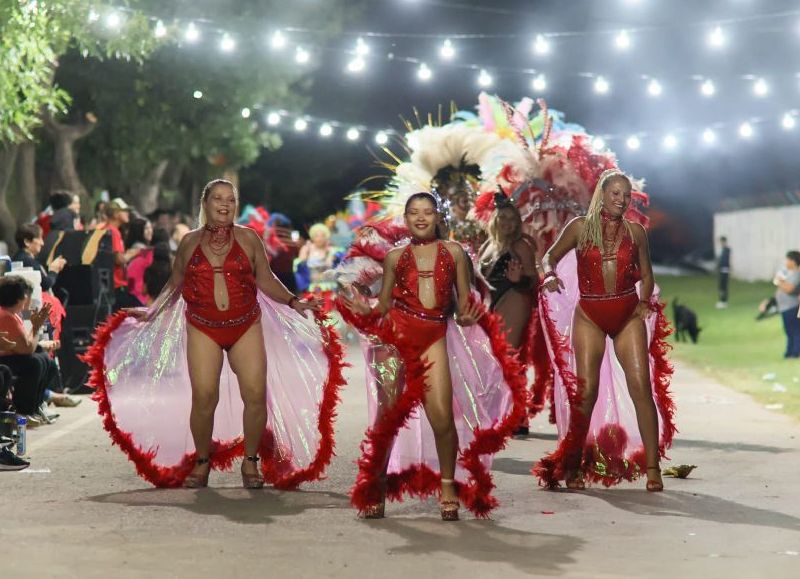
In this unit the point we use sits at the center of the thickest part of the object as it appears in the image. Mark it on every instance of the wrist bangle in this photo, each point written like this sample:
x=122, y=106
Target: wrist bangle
x=549, y=274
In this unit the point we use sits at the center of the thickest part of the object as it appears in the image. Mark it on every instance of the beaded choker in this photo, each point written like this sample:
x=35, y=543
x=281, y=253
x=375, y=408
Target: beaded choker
x=418, y=241
x=219, y=238
x=606, y=216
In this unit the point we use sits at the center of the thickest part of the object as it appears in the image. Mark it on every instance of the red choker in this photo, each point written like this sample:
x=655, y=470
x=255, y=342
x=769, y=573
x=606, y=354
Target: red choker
x=418, y=241
x=606, y=216
x=220, y=237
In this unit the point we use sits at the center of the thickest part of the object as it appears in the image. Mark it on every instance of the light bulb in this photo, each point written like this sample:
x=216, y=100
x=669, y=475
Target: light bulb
x=326, y=130
x=424, y=73
x=654, y=88
x=381, y=138
x=485, y=79
x=192, y=33
x=273, y=119
x=539, y=83
x=541, y=45
x=601, y=85
x=447, y=51
x=633, y=143
x=278, y=40
x=300, y=125
x=353, y=134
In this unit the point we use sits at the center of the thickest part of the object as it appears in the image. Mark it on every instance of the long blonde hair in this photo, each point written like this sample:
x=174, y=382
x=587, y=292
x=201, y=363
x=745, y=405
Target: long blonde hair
x=201, y=218
x=503, y=243
x=592, y=234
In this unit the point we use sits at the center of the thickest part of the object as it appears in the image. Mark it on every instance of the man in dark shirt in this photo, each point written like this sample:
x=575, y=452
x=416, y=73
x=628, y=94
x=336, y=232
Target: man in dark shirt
x=724, y=270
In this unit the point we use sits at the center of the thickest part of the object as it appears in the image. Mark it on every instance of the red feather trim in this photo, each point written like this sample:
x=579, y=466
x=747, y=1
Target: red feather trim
x=279, y=472
x=419, y=480
x=608, y=446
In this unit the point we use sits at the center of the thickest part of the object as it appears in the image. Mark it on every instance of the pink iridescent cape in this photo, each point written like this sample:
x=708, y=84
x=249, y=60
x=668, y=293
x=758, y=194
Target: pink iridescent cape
x=613, y=449
x=141, y=378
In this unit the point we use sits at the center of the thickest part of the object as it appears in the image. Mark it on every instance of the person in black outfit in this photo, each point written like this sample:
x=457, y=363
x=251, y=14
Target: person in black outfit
x=724, y=270
x=30, y=242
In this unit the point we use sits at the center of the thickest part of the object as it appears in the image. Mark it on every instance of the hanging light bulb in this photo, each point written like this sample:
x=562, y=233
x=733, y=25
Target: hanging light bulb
x=353, y=134
x=709, y=137
x=707, y=89
x=654, y=88
x=227, y=44
x=447, y=51
x=300, y=125
x=716, y=38
x=356, y=65
x=539, y=83
x=93, y=15
x=198, y=94
x=273, y=119
x=381, y=138
x=788, y=122
x=670, y=142
x=278, y=40
x=623, y=40
x=325, y=130
x=598, y=144
x=192, y=33
x=245, y=113
x=485, y=79
x=362, y=48
x=114, y=20
x=633, y=143
x=160, y=30
x=745, y=130
x=541, y=45
x=601, y=85
x=760, y=87
x=301, y=55
x=424, y=73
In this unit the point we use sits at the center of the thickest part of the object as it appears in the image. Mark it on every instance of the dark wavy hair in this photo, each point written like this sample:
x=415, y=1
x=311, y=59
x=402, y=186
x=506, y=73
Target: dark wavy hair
x=14, y=289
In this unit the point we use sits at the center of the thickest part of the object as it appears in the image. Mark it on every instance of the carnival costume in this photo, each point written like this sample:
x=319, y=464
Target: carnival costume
x=606, y=447
x=488, y=388
x=140, y=373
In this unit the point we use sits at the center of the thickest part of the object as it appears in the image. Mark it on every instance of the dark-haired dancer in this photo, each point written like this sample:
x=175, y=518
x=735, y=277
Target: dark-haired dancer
x=461, y=374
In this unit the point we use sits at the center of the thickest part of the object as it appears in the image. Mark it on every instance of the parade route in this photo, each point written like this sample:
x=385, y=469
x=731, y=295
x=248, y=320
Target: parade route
x=81, y=511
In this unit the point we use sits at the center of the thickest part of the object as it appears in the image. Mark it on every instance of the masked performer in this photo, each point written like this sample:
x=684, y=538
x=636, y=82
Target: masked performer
x=167, y=378
x=471, y=390
x=599, y=442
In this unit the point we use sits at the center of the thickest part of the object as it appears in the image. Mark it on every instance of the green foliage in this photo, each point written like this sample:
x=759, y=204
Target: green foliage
x=734, y=348
x=33, y=35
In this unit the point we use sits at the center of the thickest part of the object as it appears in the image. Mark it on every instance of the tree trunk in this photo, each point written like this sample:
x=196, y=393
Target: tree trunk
x=145, y=194
x=64, y=136
x=8, y=157
x=26, y=182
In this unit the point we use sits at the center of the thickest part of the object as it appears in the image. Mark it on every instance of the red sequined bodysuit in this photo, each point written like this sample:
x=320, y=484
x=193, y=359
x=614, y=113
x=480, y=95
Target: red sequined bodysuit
x=225, y=327
x=416, y=326
x=610, y=305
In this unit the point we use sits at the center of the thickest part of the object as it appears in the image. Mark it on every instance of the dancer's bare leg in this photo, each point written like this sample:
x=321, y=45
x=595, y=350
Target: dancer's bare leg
x=439, y=409
x=515, y=310
x=388, y=385
x=248, y=361
x=589, y=345
x=631, y=348
x=204, y=358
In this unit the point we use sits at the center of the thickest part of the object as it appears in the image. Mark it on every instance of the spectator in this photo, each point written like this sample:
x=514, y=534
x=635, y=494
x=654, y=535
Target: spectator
x=724, y=271
x=157, y=275
x=118, y=215
x=787, y=282
x=139, y=256
x=30, y=242
x=99, y=215
x=282, y=249
x=178, y=232
x=66, y=211
x=38, y=378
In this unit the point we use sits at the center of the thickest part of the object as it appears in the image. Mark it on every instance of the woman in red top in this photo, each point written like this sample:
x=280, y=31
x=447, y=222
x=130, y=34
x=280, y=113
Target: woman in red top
x=471, y=414
x=228, y=312
x=612, y=258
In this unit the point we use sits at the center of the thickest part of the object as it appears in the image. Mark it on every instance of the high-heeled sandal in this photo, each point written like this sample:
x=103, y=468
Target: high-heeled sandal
x=377, y=510
x=195, y=480
x=574, y=481
x=449, y=509
x=252, y=481
x=654, y=486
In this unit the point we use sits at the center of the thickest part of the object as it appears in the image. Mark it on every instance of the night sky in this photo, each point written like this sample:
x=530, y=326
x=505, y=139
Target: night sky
x=685, y=185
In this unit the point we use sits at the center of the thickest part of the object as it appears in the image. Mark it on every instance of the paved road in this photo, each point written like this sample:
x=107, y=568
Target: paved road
x=80, y=511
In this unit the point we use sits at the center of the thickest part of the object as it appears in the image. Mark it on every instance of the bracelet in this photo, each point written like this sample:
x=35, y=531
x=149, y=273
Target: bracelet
x=291, y=301
x=549, y=274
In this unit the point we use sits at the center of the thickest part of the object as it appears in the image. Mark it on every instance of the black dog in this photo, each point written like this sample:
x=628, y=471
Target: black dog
x=685, y=322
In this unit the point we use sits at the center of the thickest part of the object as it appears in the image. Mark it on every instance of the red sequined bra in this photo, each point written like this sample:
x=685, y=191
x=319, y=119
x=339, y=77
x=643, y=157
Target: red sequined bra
x=590, y=269
x=406, y=290
x=198, y=287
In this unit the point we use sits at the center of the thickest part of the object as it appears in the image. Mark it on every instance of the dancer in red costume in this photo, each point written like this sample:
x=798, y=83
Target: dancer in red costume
x=411, y=317
x=612, y=257
x=508, y=265
x=234, y=315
